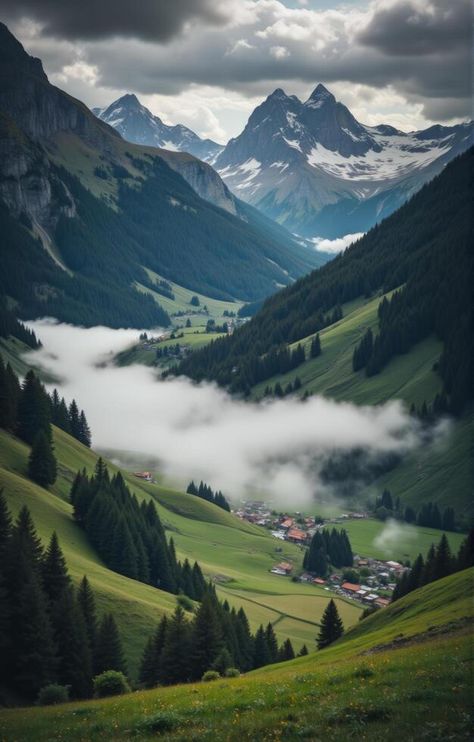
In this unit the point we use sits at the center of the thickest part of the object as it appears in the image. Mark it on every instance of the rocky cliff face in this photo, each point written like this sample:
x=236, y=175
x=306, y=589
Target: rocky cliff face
x=33, y=113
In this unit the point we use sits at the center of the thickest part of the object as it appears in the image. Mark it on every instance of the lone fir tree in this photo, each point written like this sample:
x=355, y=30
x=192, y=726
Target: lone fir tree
x=331, y=626
x=42, y=467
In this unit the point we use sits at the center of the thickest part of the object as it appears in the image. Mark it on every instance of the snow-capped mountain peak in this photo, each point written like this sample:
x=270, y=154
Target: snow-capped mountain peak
x=319, y=97
x=316, y=169
x=139, y=125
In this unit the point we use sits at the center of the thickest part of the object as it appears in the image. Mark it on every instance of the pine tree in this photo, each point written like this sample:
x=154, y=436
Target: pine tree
x=84, y=430
x=466, y=552
x=286, y=652
x=244, y=640
x=331, y=626
x=150, y=664
x=34, y=412
x=443, y=563
x=207, y=637
x=272, y=643
x=74, y=420
x=303, y=651
x=9, y=396
x=30, y=660
x=42, y=466
x=109, y=653
x=86, y=603
x=175, y=664
x=33, y=661
x=316, y=346
x=5, y=525
x=54, y=571
x=70, y=634
x=261, y=656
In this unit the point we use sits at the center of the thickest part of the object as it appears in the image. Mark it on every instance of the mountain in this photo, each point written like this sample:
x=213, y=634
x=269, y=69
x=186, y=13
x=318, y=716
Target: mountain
x=137, y=124
x=423, y=251
x=315, y=169
x=79, y=204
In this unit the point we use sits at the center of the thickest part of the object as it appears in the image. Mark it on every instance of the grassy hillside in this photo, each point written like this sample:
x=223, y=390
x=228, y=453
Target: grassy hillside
x=401, y=674
x=234, y=553
x=182, y=299
x=441, y=471
x=409, y=377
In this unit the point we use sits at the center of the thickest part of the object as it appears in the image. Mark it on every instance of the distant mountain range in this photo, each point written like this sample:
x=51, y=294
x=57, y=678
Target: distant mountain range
x=137, y=124
x=315, y=169
x=311, y=166
x=84, y=214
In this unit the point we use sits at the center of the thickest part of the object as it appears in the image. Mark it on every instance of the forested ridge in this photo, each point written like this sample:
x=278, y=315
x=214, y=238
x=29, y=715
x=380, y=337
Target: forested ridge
x=425, y=248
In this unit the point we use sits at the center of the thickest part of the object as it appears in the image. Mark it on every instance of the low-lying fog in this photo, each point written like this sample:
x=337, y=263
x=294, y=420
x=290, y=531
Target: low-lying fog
x=199, y=432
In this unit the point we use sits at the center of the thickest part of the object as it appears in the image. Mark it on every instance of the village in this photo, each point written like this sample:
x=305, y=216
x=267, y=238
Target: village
x=376, y=579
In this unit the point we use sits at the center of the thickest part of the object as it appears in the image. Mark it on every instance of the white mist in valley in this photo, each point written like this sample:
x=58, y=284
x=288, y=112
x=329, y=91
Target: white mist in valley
x=198, y=431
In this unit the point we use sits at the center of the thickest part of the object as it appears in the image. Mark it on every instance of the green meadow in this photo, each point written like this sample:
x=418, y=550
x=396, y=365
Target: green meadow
x=400, y=674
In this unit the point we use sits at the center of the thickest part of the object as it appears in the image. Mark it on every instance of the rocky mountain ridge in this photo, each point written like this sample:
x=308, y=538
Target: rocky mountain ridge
x=314, y=168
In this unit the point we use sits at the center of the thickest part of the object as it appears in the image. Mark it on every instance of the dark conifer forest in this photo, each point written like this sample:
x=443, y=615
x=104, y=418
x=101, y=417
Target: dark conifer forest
x=51, y=632
x=206, y=493
x=439, y=562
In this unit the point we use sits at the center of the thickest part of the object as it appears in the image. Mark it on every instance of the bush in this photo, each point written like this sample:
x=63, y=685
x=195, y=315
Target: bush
x=232, y=672
x=163, y=721
x=210, y=675
x=110, y=683
x=185, y=603
x=52, y=694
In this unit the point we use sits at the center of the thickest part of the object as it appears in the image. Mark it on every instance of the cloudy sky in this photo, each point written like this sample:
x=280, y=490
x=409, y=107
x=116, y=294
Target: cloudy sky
x=208, y=63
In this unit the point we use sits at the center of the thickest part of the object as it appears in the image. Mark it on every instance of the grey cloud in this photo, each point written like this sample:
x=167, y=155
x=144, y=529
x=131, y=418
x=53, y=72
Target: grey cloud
x=415, y=29
x=381, y=54
x=152, y=20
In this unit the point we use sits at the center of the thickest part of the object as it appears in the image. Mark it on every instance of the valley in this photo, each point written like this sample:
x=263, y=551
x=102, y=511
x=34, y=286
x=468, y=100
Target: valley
x=236, y=372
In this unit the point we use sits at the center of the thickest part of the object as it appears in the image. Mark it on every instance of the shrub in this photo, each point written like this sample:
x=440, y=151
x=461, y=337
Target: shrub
x=363, y=672
x=110, y=683
x=163, y=721
x=210, y=675
x=185, y=602
x=52, y=694
x=232, y=672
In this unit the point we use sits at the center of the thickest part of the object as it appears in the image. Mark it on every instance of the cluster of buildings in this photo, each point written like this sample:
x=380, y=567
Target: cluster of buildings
x=295, y=528
x=379, y=581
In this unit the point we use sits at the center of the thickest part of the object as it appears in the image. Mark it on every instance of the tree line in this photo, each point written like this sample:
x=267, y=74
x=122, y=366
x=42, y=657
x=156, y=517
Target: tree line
x=129, y=536
x=28, y=411
x=206, y=493
x=438, y=563
x=216, y=638
x=328, y=548
x=50, y=631
x=428, y=516
x=11, y=327
x=430, y=257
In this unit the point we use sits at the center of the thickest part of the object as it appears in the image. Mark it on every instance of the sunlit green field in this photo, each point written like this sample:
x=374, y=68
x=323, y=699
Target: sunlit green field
x=401, y=674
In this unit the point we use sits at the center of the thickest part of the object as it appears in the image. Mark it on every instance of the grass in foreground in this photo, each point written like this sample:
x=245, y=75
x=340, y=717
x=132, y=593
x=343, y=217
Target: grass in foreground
x=402, y=674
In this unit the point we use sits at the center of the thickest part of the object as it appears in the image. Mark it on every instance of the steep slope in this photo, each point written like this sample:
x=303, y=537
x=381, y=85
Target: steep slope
x=402, y=673
x=239, y=553
x=137, y=124
x=423, y=250
x=315, y=169
x=78, y=203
